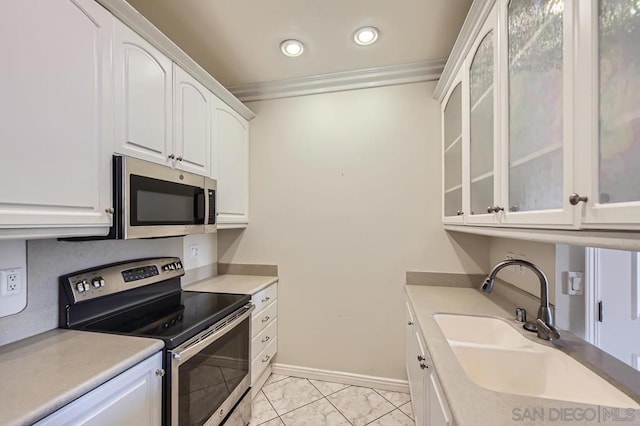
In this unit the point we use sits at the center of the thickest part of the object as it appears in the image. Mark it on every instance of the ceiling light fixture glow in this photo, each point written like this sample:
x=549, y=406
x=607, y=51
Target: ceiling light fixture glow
x=366, y=35
x=292, y=48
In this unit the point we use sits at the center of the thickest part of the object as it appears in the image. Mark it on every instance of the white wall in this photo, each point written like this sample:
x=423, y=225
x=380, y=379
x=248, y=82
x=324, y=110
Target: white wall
x=345, y=198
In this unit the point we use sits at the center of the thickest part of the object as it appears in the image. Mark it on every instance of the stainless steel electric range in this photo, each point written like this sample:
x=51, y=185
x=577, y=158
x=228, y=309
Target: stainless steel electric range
x=206, y=335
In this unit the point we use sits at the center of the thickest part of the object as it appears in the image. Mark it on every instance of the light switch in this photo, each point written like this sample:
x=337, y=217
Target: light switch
x=575, y=284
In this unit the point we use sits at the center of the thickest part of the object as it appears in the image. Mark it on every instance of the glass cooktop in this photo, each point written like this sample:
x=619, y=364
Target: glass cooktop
x=174, y=318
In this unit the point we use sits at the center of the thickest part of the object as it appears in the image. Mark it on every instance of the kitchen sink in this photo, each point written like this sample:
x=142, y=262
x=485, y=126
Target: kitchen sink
x=497, y=357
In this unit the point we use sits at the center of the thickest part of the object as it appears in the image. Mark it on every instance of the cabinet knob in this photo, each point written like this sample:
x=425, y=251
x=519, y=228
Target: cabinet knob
x=109, y=210
x=459, y=212
x=265, y=319
x=266, y=299
x=494, y=209
x=574, y=199
x=423, y=366
x=171, y=157
x=266, y=358
x=410, y=323
x=160, y=372
x=179, y=158
x=266, y=339
x=421, y=358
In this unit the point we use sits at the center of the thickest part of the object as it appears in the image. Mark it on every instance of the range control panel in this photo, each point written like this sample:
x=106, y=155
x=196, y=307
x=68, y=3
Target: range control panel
x=99, y=282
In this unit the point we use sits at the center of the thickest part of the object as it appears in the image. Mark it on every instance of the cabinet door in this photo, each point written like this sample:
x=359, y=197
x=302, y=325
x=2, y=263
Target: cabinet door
x=143, y=98
x=452, y=148
x=55, y=85
x=537, y=161
x=132, y=398
x=232, y=139
x=612, y=162
x=439, y=413
x=483, y=149
x=416, y=375
x=192, y=112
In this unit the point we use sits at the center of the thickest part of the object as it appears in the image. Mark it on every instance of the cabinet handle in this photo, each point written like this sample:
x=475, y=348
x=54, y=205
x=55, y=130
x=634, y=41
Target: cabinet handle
x=410, y=323
x=266, y=299
x=494, y=209
x=265, y=319
x=574, y=199
x=179, y=158
x=266, y=339
x=171, y=157
x=266, y=358
x=421, y=358
x=459, y=212
x=423, y=366
x=109, y=210
x=160, y=372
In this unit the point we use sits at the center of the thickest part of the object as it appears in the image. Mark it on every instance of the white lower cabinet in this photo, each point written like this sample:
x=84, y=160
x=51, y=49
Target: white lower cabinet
x=264, y=331
x=430, y=406
x=131, y=398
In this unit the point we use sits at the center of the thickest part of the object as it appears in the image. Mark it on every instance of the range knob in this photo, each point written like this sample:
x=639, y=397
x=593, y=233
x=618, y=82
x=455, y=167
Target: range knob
x=97, y=282
x=82, y=286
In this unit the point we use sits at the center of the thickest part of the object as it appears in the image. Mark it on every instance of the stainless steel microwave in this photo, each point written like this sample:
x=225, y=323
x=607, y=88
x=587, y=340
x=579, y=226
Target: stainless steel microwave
x=152, y=200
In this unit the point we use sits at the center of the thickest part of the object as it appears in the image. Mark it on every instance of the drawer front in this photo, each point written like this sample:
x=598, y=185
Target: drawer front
x=263, y=339
x=264, y=297
x=262, y=319
x=263, y=359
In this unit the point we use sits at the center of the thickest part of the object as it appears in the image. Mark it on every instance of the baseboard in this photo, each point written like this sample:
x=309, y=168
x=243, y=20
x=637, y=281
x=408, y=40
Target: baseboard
x=383, y=383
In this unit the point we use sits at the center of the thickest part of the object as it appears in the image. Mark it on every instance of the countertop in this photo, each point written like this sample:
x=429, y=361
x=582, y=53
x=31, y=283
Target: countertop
x=228, y=283
x=43, y=373
x=472, y=405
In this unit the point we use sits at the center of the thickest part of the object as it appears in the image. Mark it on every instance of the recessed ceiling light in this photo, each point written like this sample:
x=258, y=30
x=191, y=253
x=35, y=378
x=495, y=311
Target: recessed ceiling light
x=366, y=35
x=292, y=47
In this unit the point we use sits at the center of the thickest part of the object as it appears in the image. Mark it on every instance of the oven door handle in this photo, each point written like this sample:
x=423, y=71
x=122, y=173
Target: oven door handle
x=183, y=353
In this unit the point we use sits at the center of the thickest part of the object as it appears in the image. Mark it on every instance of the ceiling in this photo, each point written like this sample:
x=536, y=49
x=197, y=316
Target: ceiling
x=237, y=41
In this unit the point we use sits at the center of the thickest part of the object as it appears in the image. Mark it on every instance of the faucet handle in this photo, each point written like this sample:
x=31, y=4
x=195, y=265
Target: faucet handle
x=547, y=331
x=521, y=315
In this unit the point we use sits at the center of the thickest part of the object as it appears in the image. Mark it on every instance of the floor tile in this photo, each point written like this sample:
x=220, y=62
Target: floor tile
x=394, y=418
x=396, y=398
x=275, y=378
x=319, y=413
x=274, y=422
x=360, y=405
x=407, y=409
x=261, y=410
x=291, y=393
x=327, y=388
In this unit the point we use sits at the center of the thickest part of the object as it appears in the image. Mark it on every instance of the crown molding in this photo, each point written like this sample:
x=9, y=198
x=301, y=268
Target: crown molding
x=473, y=23
x=336, y=82
x=138, y=23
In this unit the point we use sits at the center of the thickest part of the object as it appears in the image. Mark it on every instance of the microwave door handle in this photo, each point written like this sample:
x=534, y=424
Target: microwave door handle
x=205, y=214
x=181, y=356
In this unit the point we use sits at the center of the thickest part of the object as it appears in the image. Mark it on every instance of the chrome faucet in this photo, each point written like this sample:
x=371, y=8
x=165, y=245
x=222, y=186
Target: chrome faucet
x=544, y=323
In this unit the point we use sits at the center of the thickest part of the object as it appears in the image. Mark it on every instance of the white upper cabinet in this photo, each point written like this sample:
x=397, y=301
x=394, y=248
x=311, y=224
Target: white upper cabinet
x=483, y=180
x=192, y=124
x=143, y=98
x=612, y=126
x=537, y=65
x=232, y=140
x=55, y=103
x=452, y=148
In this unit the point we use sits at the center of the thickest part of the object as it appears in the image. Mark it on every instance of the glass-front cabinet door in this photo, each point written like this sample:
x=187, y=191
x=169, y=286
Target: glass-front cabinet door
x=537, y=161
x=613, y=163
x=482, y=179
x=452, y=145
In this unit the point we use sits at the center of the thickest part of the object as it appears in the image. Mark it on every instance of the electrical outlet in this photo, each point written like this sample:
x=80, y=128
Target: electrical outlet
x=10, y=281
x=194, y=251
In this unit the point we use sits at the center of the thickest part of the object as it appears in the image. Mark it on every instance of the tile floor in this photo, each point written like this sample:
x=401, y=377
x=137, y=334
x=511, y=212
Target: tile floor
x=292, y=401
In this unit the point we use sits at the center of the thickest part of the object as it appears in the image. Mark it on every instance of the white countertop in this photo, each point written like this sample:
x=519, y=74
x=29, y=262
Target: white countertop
x=228, y=283
x=43, y=373
x=470, y=404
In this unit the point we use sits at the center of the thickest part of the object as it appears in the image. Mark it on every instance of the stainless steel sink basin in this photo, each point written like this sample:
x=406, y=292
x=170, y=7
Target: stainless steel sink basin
x=496, y=356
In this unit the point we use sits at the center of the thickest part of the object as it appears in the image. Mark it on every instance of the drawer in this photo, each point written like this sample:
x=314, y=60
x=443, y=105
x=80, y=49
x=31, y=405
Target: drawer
x=261, y=320
x=264, y=338
x=264, y=297
x=263, y=359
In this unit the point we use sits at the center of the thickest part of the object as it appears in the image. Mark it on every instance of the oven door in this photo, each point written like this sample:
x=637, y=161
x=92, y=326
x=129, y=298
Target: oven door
x=158, y=201
x=210, y=372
